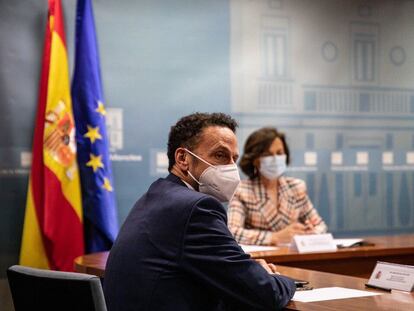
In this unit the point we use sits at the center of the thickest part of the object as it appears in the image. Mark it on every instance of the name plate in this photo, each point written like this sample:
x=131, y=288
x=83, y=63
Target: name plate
x=310, y=243
x=392, y=276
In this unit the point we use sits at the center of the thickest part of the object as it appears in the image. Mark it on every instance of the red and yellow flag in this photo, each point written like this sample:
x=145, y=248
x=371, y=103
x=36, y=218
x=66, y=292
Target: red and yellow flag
x=53, y=230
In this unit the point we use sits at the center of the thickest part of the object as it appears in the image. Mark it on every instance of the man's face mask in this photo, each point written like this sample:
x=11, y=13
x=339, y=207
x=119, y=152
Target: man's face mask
x=272, y=167
x=220, y=181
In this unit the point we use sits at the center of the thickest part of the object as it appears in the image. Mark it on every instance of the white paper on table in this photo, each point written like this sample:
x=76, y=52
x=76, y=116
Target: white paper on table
x=257, y=248
x=347, y=242
x=330, y=293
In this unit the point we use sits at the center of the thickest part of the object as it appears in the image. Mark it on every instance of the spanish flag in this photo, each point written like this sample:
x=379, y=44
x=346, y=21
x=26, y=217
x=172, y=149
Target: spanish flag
x=53, y=229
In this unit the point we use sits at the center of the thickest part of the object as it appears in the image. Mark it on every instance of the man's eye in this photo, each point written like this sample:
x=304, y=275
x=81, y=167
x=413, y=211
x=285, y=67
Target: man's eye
x=220, y=155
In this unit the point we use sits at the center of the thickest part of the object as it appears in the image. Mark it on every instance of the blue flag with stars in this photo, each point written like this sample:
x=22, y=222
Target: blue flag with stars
x=98, y=196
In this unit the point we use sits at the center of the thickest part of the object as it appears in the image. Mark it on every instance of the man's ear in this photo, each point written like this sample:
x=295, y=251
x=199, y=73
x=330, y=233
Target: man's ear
x=181, y=159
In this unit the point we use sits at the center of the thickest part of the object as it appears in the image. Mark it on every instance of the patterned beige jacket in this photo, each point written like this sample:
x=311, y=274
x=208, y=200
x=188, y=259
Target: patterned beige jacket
x=252, y=216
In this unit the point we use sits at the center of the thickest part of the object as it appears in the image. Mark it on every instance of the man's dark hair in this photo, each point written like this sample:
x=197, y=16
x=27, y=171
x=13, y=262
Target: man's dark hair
x=186, y=132
x=256, y=145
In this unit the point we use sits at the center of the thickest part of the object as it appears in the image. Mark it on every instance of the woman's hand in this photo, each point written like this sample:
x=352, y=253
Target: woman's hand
x=285, y=235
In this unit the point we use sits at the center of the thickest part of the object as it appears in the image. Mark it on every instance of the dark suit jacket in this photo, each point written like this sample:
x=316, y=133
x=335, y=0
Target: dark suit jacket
x=175, y=252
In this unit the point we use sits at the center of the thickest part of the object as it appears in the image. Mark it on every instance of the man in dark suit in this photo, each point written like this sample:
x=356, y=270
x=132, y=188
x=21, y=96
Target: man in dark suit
x=174, y=251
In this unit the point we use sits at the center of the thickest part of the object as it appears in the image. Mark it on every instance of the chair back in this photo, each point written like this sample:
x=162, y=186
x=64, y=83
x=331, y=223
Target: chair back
x=37, y=289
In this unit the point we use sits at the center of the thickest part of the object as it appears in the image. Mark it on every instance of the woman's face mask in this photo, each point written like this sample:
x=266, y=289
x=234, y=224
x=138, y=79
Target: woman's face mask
x=273, y=166
x=220, y=181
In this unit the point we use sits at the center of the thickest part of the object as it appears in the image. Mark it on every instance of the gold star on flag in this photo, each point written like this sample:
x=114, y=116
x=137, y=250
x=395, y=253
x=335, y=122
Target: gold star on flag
x=107, y=185
x=95, y=162
x=101, y=108
x=93, y=133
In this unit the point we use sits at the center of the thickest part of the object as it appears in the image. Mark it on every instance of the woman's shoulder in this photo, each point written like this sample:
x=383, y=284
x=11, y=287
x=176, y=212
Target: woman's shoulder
x=295, y=184
x=247, y=184
x=246, y=187
x=247, y=193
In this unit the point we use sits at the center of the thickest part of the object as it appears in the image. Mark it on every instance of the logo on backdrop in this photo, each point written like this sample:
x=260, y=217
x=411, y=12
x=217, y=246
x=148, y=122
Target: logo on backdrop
x=59, y=138
x=115, y=126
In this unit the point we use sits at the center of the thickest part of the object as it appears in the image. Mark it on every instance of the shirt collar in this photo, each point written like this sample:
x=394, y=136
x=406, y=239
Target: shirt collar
x=188, y=185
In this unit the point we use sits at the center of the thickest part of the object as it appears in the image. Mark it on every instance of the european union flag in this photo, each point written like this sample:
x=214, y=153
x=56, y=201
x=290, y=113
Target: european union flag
x=98, y=196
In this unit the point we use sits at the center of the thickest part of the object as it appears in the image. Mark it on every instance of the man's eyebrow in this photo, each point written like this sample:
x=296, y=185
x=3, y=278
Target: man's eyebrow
x=220, y=148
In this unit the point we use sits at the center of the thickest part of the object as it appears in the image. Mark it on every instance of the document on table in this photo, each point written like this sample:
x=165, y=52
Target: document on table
x=330, y=293
x=257, y=248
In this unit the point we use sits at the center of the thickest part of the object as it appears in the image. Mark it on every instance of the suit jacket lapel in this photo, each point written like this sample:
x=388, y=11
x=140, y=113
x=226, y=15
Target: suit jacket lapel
x=265, y=205
x=276, y=217
x=285, y=205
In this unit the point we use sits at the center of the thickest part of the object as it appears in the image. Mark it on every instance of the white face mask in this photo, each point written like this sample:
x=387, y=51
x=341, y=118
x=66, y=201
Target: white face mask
x=272, y=167
x=220, y=181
